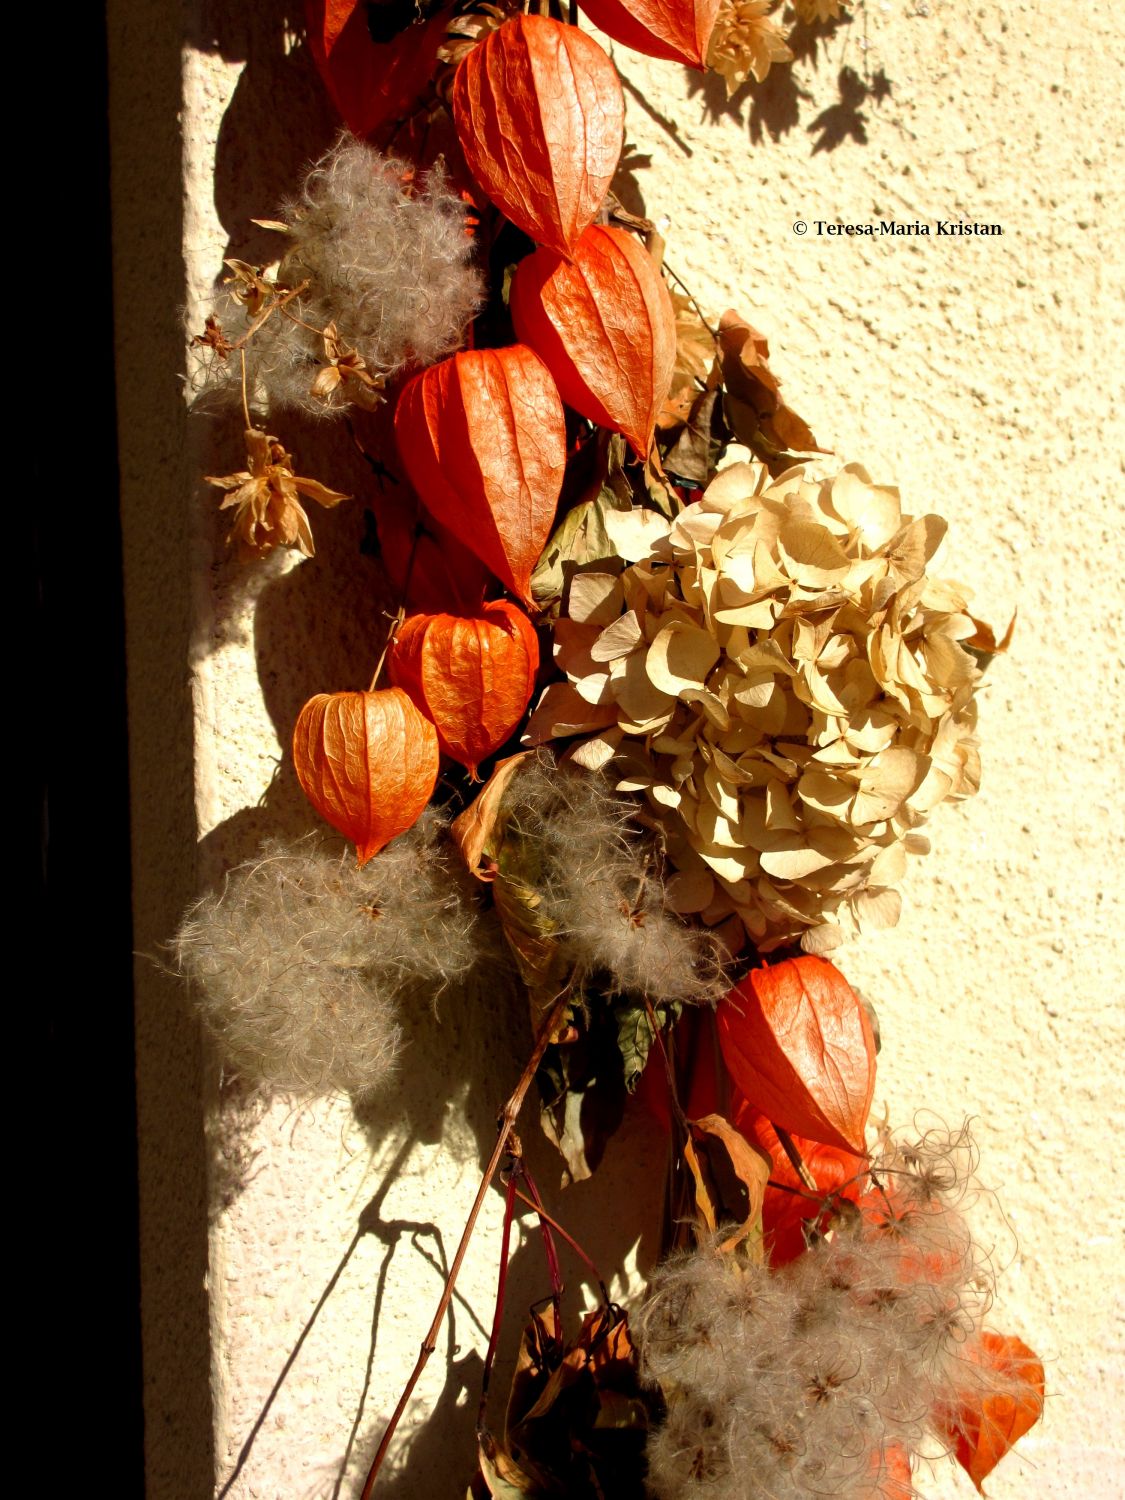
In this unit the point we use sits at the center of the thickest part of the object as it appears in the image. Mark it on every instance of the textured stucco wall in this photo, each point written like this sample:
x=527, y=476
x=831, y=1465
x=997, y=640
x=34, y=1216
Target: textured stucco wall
x=984, y=377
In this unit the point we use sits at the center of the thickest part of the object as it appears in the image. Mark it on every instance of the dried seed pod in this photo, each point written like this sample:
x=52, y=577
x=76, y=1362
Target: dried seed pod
x=471, y=677
x=541, y=118
x=605, y=327
x=368, y=763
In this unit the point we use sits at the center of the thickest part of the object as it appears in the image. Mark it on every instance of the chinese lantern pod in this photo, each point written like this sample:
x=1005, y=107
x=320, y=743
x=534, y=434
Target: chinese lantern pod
x=1001, y=1401
x=424, y=561
x=541, y=118
x=678, y=30
x=797, y=1041
x=472, y=677
x=368, y=763
x=787, y=1208
x=604, y=325
x=482, y=437
x=370, y=82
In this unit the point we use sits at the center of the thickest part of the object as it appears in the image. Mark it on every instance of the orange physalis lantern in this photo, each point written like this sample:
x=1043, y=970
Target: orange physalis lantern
x=482, y=437
x=605, y=327
x=473, y=678
x=541, y=119
x=368, y=763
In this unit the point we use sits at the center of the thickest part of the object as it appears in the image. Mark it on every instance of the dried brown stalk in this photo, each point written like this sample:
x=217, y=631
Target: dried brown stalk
x=508, y=1117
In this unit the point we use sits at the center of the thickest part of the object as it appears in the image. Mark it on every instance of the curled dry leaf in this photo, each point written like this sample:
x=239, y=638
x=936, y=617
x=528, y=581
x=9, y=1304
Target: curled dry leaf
x=370, y=82
x=541, y=119
x=797, y=1042
x=576, y=1414
x=988, y=1422
x=678, y=30
x=472, y=678
x=754, y=392
x=730, y=1176
x=368, y=763
x=472, y=830
x=482, y=437
x=604, y=325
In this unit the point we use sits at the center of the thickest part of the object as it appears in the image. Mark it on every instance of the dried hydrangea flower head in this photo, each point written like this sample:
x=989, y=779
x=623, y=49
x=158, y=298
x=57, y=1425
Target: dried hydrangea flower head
x=778, y=673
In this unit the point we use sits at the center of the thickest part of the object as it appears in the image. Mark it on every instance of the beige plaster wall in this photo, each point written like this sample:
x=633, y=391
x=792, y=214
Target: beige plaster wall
x=981, y=374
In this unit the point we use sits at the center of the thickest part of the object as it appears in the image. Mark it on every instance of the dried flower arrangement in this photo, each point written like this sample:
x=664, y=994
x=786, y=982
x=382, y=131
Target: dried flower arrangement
x=756, y=692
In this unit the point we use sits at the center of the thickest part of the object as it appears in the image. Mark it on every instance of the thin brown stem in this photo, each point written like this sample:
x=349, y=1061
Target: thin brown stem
x=245, y=402
x=689, y=294
x=789, y=1146
x=508, y=1119
x=396, y=625
x=400, y=616
x=501, y=1287
x=568, y=1238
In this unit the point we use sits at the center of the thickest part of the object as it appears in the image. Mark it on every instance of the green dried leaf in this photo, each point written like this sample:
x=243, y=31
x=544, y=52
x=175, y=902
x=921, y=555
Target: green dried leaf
x=581, y=537
x=635, y=1035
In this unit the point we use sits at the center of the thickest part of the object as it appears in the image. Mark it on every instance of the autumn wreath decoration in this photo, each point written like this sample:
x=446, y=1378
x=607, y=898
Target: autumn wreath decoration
x=668, y=700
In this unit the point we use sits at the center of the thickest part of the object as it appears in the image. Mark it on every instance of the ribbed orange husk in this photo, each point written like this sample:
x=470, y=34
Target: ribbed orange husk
x=472, y=677
x=678, y=30
x=798, y=1044
x=987, y=1424
x=785, y=1214
x=423, y=559
x=368, y=763
x=604, y=325
x=541, y=118
x=370, y=83
x=890, y=1475
x=482, y=437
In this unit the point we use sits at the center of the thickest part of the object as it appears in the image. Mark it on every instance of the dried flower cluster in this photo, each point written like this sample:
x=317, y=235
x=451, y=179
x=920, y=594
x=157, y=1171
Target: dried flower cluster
x=378, y=265
x=820, y=1379
x=779, y=674
x=266, y=498
x=303, y=962
x=747, y=41
x=598, y=887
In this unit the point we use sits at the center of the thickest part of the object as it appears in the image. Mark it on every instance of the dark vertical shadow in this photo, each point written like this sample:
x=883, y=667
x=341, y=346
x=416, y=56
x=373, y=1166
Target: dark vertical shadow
x=144, y=40
x=69, y=997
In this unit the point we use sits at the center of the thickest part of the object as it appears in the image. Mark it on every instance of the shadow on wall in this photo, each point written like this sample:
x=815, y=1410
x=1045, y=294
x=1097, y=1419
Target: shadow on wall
x=436, y=1457
x=278, y=122
x=774, y=107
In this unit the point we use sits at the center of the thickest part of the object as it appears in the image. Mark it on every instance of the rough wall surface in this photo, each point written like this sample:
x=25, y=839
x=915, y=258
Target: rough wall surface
x=981, y=374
